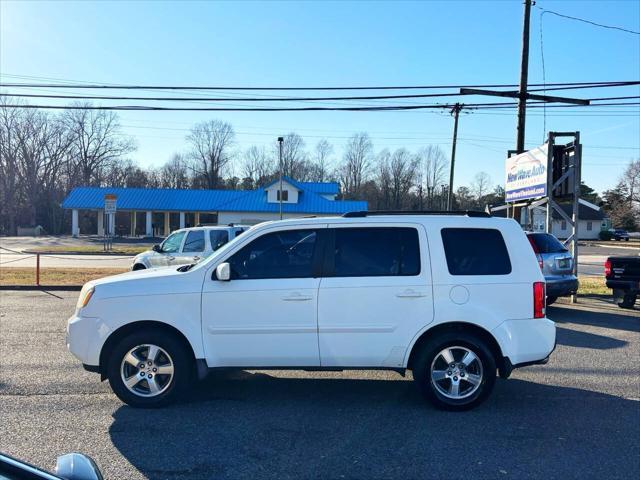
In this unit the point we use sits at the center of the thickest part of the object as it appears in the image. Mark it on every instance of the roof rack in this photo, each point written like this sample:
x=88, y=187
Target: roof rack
x=371, y=213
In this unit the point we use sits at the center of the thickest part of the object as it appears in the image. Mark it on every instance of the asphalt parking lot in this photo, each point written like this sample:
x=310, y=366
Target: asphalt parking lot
x=576, y=417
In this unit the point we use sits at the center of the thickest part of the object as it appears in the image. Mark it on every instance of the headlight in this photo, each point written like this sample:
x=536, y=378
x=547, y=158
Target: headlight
x=85, y=295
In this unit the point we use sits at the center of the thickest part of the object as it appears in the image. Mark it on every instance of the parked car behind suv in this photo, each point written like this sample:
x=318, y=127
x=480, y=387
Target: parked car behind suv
x=187, y=245
x=619, y=234
x=451, y=297
x=556, y=264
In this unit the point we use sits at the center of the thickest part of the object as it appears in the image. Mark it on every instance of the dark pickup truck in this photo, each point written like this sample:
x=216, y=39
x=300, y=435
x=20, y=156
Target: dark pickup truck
x=623, y=276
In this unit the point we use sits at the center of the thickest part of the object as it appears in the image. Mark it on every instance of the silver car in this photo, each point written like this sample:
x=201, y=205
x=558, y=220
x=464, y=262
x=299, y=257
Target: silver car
x=187, y=245
x=556, y=264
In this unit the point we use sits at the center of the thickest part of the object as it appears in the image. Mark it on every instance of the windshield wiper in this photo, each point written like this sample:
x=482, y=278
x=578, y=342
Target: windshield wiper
x=186, y=268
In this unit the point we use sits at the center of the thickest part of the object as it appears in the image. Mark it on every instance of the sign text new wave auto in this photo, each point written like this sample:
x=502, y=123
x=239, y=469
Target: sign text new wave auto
x=526, y=175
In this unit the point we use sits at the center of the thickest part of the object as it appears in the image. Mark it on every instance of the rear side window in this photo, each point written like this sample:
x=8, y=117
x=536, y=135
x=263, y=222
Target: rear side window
x=194, y=242
x=546, y=243
x=475, y=251
x=218, y=238
x=374, y=252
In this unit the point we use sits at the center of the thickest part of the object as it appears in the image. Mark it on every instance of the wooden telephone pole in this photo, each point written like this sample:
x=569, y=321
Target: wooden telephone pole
x=524, y=77
x=455, y=111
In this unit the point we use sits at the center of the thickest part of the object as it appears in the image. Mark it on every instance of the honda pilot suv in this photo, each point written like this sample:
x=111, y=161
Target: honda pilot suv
x=454, y=298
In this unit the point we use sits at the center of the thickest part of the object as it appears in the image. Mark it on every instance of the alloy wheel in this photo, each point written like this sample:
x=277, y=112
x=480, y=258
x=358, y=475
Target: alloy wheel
x=147, y=370
x=456, y=372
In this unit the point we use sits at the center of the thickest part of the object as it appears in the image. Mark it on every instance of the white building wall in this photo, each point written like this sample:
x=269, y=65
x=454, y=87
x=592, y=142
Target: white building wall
x=587, y=229
x=251, y=218
x=272, y=192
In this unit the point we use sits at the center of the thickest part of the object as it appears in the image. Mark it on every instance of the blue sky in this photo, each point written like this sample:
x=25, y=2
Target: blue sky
x=339, y=44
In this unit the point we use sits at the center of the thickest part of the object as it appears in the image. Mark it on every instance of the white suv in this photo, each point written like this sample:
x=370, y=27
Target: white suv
x=454, y=298
x=187, y=245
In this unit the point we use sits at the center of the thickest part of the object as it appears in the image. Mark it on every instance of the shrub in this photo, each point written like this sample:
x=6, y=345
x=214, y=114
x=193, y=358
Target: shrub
x=606, y=235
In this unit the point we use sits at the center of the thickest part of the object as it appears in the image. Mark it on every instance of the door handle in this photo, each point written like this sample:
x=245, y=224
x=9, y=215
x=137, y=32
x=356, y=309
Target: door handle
x=410, y=294
x=196, y=258
x=297, y=297
x=170, y=258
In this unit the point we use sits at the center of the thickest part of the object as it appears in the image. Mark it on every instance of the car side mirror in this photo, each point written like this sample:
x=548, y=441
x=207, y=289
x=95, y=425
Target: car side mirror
x=223, y=272
x=157, y=248
x=75, y=466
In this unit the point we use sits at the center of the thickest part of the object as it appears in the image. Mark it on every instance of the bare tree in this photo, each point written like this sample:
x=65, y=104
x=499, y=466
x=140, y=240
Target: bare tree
x=175, y=173
x=356, y=164
x=97, y=142
x=257, y=166
x=480, y=186
x=322, y=155
x=631, y=179
x=433, y=172
x=295, y=162
x=211, y=143
x=9, y=154
x=398, y=172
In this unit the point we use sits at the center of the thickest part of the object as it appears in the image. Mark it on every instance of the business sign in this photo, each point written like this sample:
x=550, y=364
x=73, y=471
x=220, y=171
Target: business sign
x=109, y=204
x=526, y=175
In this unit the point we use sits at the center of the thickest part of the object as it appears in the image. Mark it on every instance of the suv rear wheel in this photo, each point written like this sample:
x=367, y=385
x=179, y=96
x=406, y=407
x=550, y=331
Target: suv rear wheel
x=149, y=369
x=455, y=371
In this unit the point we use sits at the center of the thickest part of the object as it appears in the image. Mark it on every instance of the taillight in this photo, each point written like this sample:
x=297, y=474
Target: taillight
x=607, y=268
x=538, y=300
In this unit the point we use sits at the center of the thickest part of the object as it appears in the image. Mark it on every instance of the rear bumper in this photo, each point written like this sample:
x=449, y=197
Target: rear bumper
x=629, y=286
x=526, y=342
x=562, y=287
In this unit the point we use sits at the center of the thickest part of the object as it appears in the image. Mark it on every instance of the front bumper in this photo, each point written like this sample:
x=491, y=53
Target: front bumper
x=85, y=338
x=562, y=287
x=526, y=342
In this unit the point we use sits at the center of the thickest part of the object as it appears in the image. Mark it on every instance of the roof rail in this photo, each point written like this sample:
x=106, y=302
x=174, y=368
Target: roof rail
x=371, y=213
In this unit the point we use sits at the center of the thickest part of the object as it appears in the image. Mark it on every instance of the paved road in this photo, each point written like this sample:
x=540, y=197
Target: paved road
x=577, y=417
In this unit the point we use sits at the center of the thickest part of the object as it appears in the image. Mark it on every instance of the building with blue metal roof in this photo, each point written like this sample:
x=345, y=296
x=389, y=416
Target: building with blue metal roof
x=218, y=206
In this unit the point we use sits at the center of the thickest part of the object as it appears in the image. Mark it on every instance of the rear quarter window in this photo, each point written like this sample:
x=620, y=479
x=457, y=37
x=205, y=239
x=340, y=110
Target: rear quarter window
x=475, y=251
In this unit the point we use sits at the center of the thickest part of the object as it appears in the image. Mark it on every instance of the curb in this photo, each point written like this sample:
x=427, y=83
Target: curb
x=52, y=252
x=60, y=288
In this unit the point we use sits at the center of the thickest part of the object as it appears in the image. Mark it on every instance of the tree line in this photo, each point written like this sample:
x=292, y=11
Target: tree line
x=43, y=156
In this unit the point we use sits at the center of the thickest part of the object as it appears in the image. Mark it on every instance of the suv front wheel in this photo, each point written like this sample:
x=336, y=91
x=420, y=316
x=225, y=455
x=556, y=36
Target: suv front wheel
x=455, y=371
x=149, y=369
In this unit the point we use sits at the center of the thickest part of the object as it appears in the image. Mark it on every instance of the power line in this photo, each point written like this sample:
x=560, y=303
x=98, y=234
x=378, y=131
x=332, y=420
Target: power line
x=191, y=87
x=611, y=27
x=231, y=99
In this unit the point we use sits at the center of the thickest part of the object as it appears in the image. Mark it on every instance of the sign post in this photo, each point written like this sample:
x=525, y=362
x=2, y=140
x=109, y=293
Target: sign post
x=110, y=212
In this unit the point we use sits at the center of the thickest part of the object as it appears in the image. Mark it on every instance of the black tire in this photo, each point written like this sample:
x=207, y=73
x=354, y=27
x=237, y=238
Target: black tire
x=628, y=301
x=551, y=300
x=428, y=352
x=138, y=266
x=182, y=368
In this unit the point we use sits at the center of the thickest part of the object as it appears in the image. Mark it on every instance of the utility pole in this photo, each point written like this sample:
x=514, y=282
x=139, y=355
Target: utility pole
x=524, y=77
x=455, y=111
x=280, y=140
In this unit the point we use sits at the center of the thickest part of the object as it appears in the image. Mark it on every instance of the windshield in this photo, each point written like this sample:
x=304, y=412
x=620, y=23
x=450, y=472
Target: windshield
x=547, y=243
x=172, y=242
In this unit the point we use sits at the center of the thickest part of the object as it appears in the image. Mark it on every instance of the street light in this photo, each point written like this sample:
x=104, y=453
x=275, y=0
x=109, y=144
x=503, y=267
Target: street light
x=280, y=140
